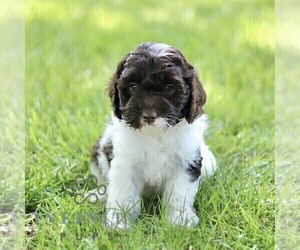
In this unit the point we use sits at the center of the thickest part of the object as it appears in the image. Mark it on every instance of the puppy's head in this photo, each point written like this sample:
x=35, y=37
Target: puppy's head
x=155, y=86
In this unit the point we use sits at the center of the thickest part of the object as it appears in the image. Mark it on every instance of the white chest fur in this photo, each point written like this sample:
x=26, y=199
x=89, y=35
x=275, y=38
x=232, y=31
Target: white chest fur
x=155, y=154
x=148, y=161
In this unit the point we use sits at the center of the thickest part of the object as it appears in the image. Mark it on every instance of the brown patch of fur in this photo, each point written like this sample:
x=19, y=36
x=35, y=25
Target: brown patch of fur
x=95, y=153
x=108, y=151
x=197, y=97
x=194, y=169
x=112, y=88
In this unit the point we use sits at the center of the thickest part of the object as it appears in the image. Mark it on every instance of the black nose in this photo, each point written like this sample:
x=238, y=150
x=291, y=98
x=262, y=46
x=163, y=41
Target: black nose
x=149, y=116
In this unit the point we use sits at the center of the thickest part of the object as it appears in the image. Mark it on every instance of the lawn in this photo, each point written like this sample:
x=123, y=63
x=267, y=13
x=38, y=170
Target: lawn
x=72, y=48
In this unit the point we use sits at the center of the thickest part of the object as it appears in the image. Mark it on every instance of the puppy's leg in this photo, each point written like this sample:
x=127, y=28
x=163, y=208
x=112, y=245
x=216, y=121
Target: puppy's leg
x=209, y=164
x=124, y=190
x=178, y=197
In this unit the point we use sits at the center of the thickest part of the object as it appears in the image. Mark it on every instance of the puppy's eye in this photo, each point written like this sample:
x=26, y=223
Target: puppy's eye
x=169, y=88
x=132, y=87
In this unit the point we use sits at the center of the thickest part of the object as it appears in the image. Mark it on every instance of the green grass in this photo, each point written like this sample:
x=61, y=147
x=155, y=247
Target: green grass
x=287, y=127
x=12, y=126
x=72, y=47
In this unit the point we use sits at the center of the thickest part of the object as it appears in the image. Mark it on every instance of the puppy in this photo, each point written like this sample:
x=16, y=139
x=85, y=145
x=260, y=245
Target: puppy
x=155, y=142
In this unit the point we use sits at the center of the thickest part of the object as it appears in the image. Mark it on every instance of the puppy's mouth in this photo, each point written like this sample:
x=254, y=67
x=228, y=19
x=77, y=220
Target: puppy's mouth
x=159, y=123
x=152, y=119
x=149, y=119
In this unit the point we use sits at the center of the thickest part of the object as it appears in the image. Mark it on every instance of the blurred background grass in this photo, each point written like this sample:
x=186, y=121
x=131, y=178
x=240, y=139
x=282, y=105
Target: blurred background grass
x=72, y=47
x=12, y=127
x=287, y=125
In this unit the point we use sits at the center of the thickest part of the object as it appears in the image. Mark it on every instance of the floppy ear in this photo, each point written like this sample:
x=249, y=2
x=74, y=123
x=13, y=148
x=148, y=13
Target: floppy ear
x=112, y=89
x=197, y=96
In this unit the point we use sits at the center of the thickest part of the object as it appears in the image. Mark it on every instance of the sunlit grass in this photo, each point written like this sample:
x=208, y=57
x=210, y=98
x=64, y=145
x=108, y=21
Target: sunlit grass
x=287, y=126
x=73, y=47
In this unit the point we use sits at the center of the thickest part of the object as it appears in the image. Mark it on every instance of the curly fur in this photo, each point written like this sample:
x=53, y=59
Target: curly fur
x=155, y=142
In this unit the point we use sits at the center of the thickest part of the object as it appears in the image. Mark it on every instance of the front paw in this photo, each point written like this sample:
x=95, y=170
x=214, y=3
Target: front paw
x=183, y=218
x=116, y=219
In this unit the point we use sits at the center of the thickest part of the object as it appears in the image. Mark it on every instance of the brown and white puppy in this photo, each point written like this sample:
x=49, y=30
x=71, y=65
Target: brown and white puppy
x=155, y=142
